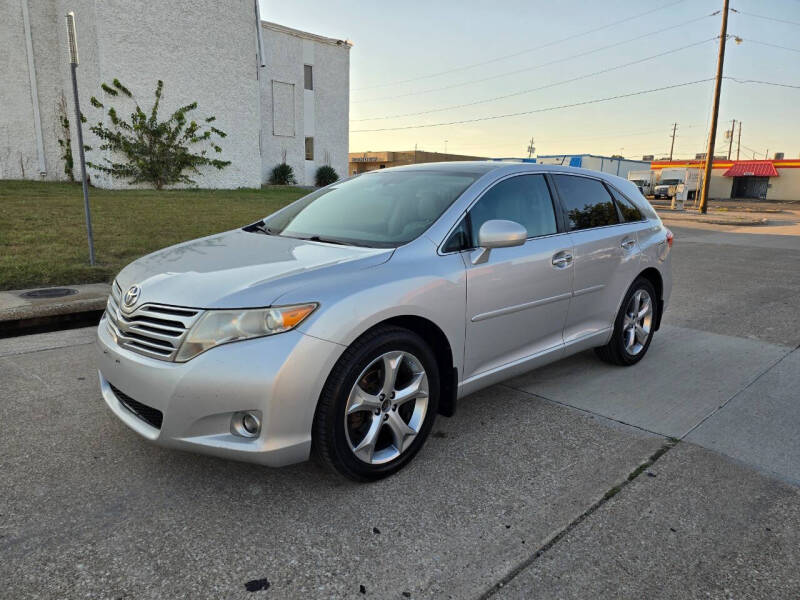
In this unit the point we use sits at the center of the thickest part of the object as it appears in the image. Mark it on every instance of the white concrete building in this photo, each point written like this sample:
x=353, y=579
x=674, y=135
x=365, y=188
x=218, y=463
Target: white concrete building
x=297, y=103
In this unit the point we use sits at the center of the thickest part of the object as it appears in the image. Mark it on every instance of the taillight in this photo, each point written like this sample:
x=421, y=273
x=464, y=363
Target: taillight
x=670, y=238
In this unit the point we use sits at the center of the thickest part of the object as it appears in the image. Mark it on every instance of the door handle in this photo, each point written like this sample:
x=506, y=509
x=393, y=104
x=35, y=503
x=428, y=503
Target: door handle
x=627, y=244
x=561, y=260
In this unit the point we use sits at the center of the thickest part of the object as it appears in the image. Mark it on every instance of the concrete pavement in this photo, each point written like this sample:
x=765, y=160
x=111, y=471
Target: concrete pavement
x=536, y=484
x=92, y=510
x=695, y=526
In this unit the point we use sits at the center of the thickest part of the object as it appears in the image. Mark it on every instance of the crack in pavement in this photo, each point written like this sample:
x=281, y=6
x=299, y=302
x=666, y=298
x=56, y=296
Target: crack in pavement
x=744, y=389
x=584, y=410
x=613, y=491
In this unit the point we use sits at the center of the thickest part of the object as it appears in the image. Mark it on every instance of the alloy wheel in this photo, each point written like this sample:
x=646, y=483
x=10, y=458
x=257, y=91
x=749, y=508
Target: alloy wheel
x=638, y=322
x=386, y=407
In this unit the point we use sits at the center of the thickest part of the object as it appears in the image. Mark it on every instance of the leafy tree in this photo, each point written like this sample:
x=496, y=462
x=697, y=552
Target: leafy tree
x=326, y=175
x=155, y=152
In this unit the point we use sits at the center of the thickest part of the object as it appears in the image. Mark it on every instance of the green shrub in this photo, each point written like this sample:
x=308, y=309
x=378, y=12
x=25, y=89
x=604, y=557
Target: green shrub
x=282, y=174
x=326, y=175
x=155, y=152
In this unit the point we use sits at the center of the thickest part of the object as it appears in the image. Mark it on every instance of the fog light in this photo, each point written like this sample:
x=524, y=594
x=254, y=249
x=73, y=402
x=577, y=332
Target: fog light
x=246, y=424
x=250, y=424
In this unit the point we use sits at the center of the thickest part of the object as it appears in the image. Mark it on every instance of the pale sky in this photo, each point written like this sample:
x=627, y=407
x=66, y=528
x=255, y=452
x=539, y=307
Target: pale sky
x=435, y=43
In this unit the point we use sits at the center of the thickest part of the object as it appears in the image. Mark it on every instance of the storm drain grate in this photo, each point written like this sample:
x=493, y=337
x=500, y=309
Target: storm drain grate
x=49, y=293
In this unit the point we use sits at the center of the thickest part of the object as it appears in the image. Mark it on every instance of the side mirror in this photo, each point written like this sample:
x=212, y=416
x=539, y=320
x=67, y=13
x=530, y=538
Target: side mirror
x=498, y=233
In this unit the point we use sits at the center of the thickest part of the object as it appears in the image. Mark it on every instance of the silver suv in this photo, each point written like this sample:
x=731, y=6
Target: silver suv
x=344, y=323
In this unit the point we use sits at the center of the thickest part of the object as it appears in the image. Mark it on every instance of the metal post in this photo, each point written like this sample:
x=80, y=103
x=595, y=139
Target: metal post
x=73, y=63
x=712, y=135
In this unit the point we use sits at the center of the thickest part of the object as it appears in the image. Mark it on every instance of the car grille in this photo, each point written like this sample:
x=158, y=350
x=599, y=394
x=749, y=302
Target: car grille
x=154, y=330
x=149, y=415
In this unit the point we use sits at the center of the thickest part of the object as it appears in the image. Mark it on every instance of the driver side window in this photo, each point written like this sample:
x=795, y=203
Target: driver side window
x=524, y=199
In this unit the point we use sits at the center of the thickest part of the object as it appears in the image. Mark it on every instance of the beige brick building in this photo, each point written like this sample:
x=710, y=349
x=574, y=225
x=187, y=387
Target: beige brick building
x=361, y=162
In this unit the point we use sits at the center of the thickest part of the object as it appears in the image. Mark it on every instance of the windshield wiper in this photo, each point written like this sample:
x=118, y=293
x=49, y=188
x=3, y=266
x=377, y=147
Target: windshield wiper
x=260, y=227
x=325, y=240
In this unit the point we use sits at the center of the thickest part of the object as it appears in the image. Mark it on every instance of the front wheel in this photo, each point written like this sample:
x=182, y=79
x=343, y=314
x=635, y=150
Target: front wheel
x=633, y=327
x=378, y=405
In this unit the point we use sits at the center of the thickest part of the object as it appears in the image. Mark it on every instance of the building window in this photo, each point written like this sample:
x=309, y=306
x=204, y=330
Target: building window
x=309, y=77
x=309, y=148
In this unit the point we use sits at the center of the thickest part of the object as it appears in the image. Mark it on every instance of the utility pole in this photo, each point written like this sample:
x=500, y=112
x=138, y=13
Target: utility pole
x=712, y=135
x=730, y=141
x=73, y=63
x=672, y=147
x=739, y=141
x=531, y=149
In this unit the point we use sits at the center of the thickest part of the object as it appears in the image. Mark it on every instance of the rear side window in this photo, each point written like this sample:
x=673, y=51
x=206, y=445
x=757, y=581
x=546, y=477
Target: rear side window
x=630, y=212
x=524, y=199
x=586, y=202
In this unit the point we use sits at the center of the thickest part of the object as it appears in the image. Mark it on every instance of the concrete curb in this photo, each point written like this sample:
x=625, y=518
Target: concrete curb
x=19, y=314
x=732, y=220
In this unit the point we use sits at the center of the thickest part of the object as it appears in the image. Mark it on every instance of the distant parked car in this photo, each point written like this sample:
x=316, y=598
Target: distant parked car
x=343, y=323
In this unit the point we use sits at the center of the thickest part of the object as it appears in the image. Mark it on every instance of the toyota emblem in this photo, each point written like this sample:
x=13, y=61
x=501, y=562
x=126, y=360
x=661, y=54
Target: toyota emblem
x=132, y=296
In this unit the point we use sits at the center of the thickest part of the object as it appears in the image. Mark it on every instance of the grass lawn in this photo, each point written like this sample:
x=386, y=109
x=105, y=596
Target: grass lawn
x=43, y=232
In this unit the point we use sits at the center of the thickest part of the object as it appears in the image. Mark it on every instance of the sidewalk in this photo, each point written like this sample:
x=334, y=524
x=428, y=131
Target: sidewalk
x=40, y=304
x=712, y=218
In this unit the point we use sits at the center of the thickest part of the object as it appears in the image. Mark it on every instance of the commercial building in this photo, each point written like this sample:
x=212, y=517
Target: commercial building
x=361, y=162
x=275, y=91
x=606, y=164
x=753, y=179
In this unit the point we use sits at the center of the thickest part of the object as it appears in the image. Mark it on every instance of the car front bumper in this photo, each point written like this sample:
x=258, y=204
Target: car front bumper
x=281, y=376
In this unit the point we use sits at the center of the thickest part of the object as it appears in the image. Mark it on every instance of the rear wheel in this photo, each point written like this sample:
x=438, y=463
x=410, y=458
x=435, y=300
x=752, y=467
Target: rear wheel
x=633, y=327
x=378, y=405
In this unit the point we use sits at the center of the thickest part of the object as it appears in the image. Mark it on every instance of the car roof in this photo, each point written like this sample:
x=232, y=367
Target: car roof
x=482, y=167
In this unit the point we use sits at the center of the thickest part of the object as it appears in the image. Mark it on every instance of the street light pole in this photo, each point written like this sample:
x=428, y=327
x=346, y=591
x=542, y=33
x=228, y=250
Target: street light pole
x=712, y=135
x=73, y=63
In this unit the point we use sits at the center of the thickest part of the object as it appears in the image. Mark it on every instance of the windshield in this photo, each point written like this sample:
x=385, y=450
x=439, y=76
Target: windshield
x=384, y=209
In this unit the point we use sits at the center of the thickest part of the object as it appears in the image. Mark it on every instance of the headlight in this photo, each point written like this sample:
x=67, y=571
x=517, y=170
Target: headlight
x=217, y=327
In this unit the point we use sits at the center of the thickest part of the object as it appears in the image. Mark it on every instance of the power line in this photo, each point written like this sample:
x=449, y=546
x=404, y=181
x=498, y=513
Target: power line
x=499, y=58
x=768, y=44
x=758, y=81
x=538, y=66
x=536, y=89
x=538, y=110
x=766, y=18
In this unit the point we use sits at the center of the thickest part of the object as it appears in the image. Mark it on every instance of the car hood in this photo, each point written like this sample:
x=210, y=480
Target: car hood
x=239, y=269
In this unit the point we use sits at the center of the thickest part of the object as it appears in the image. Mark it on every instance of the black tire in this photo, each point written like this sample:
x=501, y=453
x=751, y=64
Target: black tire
x=329, y=438
x=615, y=351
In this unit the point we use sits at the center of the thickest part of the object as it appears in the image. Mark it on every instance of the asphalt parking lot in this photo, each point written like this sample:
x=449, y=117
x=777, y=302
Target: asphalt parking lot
x=677, y=478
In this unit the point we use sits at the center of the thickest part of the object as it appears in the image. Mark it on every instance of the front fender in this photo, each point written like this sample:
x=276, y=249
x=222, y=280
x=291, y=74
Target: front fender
x=433, y=289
